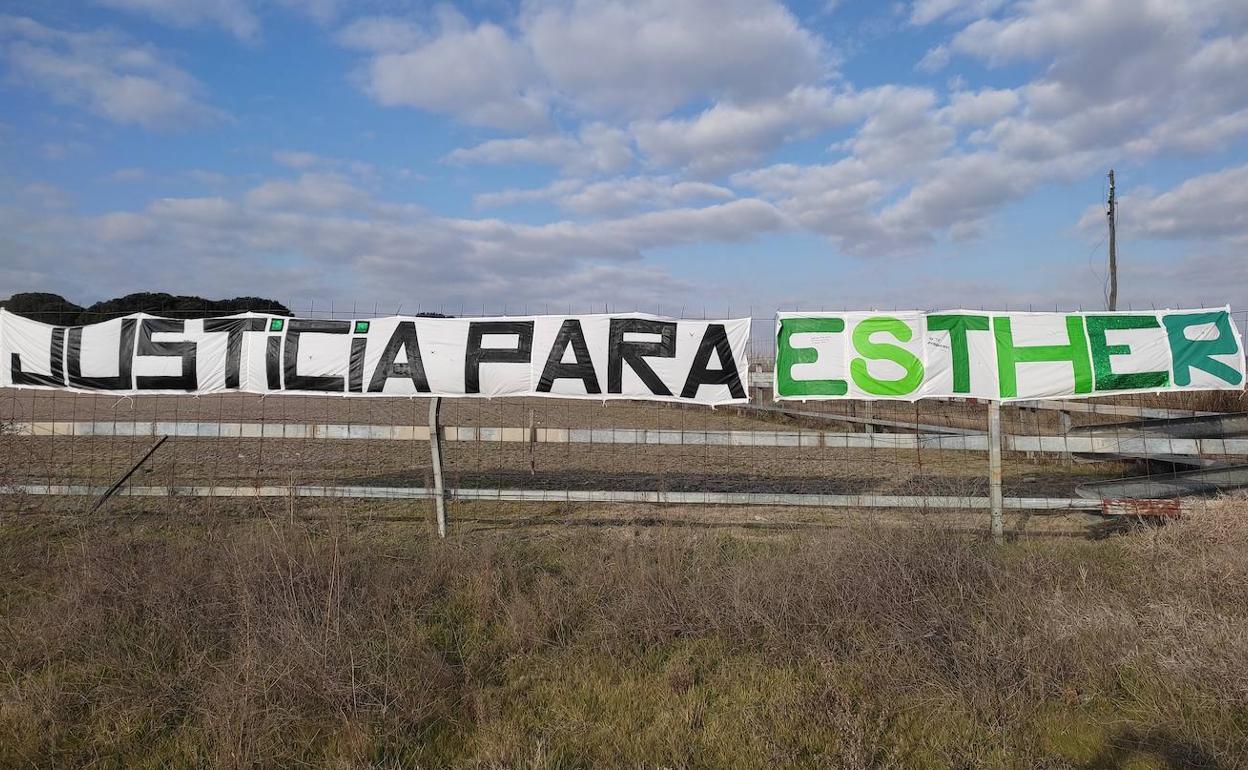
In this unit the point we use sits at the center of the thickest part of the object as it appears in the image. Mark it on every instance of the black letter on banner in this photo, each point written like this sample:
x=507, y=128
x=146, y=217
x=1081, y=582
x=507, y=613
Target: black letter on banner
x=715, y=340
x=186, y=349
x=56, y=360
x=477, y=355
x=355, y=369
x=325, y=383
x=582, y=368
x=404, y=337
x=273, y=362
x=621, y=351
x=125, y=358
x=234, y=327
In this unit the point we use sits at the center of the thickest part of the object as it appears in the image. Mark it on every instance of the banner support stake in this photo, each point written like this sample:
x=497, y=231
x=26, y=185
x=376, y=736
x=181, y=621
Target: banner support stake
x=435, y=448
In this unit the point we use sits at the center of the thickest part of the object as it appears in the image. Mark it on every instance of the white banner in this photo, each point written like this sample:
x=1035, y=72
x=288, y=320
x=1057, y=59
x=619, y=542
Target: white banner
x=1004, y=356
x=598, y=357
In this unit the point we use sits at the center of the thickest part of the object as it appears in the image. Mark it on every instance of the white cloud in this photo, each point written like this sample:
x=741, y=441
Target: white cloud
x=928, y=11
x=599, y=149
x=987, y=106
x=903, y=132
x=728, y=136
x=478, y=74
x=514, y=196
x=316, y=192
x=640, y=106
x=238, y=17
x=300, y=160
x=103, y=73
x=320, y=237
x=234, y=16
x=612, y=196
x=962, y=190
x=548, y=149
x=836, y=200
x=899, y=185
x=595, y=58
x=1166, y=77
x=1153, y=79
x=935, y=60
x=1206, y=207
x=635, y=193
x=645, y=58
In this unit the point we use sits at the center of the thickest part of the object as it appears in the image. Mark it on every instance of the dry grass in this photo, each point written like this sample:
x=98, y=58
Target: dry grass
x=1200, y=400
x=275, y=641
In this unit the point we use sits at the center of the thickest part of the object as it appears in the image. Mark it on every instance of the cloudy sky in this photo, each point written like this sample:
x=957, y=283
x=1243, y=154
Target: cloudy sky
x=664, y=155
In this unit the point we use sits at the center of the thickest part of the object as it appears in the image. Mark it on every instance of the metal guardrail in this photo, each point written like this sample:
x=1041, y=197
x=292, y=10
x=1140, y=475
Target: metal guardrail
x=1103, y=441
x=931, y=502
x=1204, y=481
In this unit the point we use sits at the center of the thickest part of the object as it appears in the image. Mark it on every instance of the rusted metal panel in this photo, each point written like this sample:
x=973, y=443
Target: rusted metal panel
x=1158, y=509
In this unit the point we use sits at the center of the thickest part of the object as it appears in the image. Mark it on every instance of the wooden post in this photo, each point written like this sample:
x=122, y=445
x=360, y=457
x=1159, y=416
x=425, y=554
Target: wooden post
x=994, y=469
x=435, y=448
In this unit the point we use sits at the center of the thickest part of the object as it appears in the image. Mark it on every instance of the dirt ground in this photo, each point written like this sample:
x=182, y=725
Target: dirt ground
x=485, y=520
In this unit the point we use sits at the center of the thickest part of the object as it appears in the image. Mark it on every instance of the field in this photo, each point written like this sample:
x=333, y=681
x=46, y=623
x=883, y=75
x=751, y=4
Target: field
x=171, y=634
x=339, y=633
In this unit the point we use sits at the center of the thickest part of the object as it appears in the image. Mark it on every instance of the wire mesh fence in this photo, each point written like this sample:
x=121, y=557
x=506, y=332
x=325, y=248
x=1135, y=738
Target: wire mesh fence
x=61, y=447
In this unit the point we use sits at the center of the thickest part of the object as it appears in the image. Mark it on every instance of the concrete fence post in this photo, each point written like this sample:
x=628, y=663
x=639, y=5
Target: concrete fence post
x=994, y=469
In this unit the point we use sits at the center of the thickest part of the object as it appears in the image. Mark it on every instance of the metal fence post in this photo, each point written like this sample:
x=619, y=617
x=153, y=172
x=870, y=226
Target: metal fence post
x=435, y=448
x=994, y=468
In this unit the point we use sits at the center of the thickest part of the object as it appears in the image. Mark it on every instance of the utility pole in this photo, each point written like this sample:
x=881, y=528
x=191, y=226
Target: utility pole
x=1112, y=215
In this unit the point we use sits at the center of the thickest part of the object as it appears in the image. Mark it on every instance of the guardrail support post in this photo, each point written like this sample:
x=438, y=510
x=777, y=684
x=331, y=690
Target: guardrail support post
x=994, y=468
x=435, y=448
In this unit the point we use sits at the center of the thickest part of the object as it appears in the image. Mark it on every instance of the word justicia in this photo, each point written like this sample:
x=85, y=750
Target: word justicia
x=591, y=356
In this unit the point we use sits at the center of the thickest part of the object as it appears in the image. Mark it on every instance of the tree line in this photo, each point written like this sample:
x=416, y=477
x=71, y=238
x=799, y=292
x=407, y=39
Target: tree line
x=55, y=309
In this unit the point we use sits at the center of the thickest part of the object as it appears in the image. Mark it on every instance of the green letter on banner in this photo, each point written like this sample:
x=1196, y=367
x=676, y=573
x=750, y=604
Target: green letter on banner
x=788, y=356
x=885, y=351
x=1102, y=352
x=1009, y=357
x=1188, y=354
x=958, y=326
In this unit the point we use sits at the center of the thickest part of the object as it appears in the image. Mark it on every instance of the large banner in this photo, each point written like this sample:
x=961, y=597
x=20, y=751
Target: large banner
x=1004, y=356
x=589, y=356
x=898, y=355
